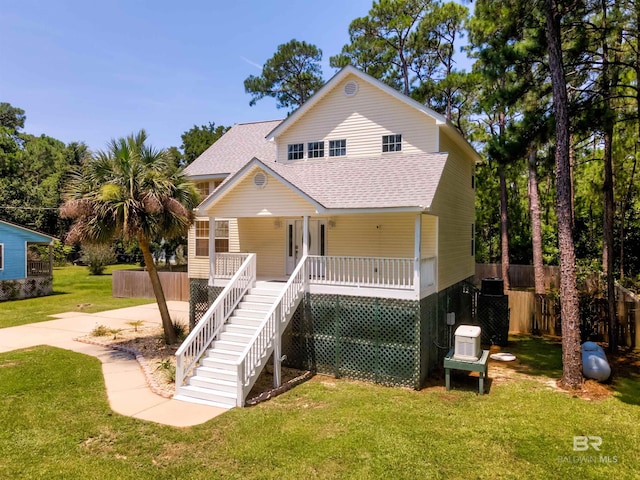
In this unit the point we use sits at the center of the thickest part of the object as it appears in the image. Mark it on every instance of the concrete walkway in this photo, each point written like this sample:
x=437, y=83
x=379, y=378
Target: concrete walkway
x=126, y=385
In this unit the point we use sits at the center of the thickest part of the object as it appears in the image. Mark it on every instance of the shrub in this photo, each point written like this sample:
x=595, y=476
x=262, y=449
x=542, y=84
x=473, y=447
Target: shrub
x=169, y=369
x=97, y=257
x=180, y=329
x=100, y=331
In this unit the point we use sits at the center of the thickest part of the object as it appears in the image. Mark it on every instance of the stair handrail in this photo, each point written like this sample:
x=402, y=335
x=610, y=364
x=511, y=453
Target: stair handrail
x=211, y=323
x=263, y=339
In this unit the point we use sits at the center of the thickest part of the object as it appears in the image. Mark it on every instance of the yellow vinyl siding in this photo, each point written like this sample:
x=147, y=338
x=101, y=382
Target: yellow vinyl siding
x=429, y=241
x=266, y=238
x=454, y=205
x=362, y=120
x=198, y=267
x=372, y=235
x=273, y=200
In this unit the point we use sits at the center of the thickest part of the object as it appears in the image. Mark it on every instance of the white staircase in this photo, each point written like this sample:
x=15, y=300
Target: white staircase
x=214, y=380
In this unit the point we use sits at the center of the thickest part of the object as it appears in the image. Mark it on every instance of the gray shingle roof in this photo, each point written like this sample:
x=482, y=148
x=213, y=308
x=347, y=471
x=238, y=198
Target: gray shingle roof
x=379, y=182
x=234, y=149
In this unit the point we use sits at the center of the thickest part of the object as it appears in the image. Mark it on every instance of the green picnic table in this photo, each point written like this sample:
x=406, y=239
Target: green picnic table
x=480, y=365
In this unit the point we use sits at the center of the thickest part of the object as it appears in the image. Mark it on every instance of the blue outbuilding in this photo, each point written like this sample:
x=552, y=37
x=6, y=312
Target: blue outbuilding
x=20, y=275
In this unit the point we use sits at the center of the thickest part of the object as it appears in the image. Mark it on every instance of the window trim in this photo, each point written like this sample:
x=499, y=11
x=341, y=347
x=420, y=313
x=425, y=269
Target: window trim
x=218, y=225
x=315, y=149
x=293, y=153
x=200, y=189
x=1, y=256
x=201, y=239
x=392, y=143
x=341, y=148
x=473, y=240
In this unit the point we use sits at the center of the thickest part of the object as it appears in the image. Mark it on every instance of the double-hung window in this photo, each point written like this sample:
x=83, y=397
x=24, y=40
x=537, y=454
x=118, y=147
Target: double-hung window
x=202, y=237
x=337, y=148
x=392, y=143
x=315, y=149
x=295, y=151
x=203, y=188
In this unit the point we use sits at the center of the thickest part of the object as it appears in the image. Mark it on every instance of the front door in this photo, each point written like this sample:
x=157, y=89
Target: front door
x=317, y=241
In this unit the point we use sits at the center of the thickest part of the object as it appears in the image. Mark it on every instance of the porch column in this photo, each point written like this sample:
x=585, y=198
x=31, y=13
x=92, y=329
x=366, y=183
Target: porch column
x=212, y=250
x=51, y=259
x=417, y=254
x=305, y=236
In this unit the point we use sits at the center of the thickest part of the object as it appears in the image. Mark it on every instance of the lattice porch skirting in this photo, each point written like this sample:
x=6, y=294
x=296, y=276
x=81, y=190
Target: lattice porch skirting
x=387, y=341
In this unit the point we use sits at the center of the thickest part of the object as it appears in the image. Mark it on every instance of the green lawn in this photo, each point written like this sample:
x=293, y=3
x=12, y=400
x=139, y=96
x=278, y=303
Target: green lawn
x=72, y=286
x=56, y=423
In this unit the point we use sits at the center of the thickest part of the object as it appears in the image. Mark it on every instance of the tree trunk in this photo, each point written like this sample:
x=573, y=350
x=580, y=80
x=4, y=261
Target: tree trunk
x=607, y=254
x=571, y=354
x=536, y=226
x=608, y=82
x=504, y=232
x=167, y=326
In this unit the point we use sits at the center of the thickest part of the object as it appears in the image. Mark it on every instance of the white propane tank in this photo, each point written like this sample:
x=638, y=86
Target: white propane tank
x=594, y=362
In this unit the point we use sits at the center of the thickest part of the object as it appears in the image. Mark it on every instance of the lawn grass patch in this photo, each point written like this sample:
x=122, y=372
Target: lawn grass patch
x=74, y=289
x=57, y=424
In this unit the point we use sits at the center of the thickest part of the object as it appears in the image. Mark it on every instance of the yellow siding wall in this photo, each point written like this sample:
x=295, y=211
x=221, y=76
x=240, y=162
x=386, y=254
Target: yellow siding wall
x=359, y=235
x=429, y=232
x=198, y=267
x=361, y=120
x=454, y=204
x=273, y=200
x=262, y=237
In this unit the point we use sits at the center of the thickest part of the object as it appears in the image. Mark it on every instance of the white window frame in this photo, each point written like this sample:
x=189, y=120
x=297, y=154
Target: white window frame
x=1, y=256
x=392, y=143
x=315, y=149
x=220, y=230
x=204, y=188
x=338, y=148
x=204, y=237
x=295, y=151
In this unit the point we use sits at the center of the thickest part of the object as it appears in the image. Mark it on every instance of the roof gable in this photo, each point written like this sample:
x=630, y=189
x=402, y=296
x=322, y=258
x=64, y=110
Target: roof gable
x=234, y=149
x=25, y=233
x=334, y=82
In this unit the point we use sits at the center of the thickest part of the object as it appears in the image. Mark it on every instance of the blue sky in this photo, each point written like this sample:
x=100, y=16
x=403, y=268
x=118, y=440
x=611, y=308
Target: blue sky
x=91, y=71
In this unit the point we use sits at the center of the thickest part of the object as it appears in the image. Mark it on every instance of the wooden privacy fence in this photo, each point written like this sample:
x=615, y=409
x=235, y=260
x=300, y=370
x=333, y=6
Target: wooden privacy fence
x=539, y=314
x=520, y=276
x=136, y=284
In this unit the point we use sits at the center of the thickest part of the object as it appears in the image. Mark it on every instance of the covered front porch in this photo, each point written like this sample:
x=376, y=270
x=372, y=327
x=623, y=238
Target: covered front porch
x=375, y=255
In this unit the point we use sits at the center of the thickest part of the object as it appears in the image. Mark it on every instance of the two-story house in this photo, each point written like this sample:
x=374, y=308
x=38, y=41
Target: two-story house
x=337, y=240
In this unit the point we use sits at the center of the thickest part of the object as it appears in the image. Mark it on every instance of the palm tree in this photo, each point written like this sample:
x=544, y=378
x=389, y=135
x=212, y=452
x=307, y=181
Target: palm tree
x=131, y=191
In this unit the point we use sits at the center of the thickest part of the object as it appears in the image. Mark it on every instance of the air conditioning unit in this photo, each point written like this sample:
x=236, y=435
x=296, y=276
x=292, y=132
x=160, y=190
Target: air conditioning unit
x=467, y=343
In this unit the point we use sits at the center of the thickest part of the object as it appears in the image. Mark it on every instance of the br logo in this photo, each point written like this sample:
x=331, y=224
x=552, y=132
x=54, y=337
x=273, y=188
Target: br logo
x=582, y=443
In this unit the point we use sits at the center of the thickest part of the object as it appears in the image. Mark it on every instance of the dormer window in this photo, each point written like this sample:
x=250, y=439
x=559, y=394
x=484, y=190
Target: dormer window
x=315, y=150
x=295, y=151
x=337, y=148
x=391, y=143
x=203, y=188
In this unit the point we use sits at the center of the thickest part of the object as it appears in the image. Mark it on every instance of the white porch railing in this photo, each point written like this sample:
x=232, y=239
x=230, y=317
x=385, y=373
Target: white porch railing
x=227, y=264
x=211, y=323
x=397, y=273
x=259, y=348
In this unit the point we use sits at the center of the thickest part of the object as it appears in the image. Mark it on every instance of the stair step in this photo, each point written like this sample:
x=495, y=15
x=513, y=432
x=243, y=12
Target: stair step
x=249, y=313
x=237, y=337
x=254, y=306
x=240, y=328
x=264, y=292
x=214, y=384
x=227, y=345
x=217, y=373
x=220, y=363
x=219, y=354
x=270, y=299
x=223, y=399
x=240, y=319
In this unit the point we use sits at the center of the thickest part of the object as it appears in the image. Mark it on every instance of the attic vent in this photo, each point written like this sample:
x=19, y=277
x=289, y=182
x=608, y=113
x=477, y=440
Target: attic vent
x=260, y=180
x=350, y=88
